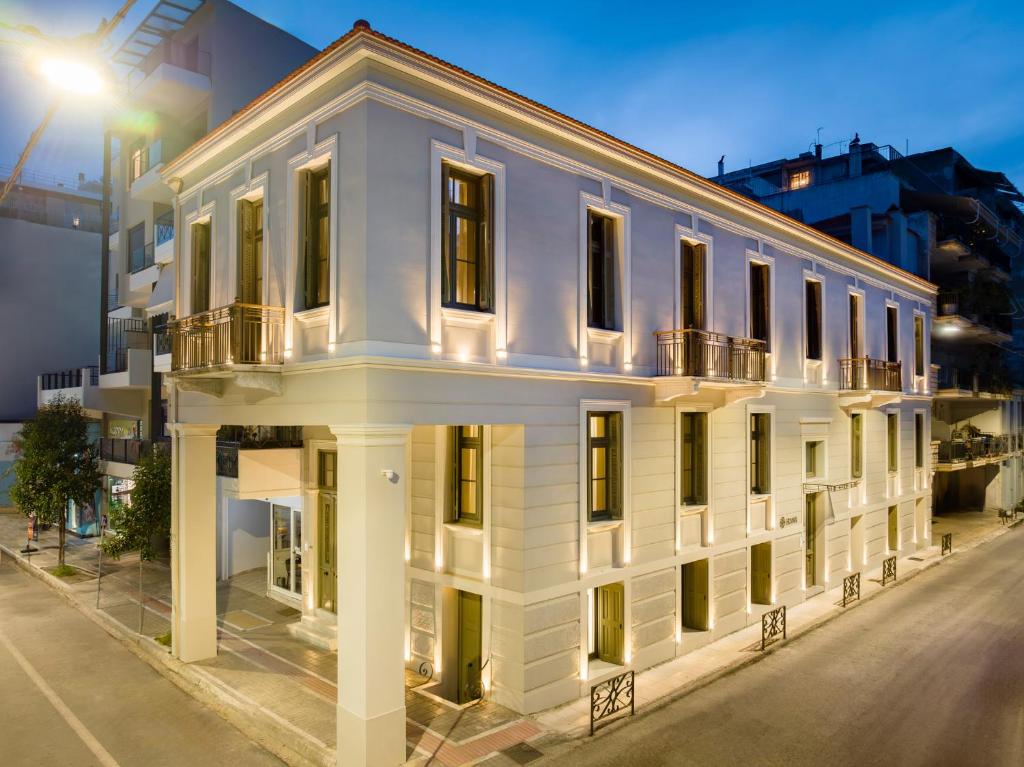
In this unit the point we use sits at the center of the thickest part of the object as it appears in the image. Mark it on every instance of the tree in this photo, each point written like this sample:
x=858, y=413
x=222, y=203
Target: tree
x=148, y=518
x=56, y=463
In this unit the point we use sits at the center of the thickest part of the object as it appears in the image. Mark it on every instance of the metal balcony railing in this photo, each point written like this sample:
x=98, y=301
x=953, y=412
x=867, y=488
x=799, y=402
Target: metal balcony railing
x=867, y=374
x=69, y=379
x=124, y=333
x=163, y=228
x=124, y=450
x=140, y=258
x=965, y=448
x=237, y=334
x=705, y=354
x=161, y=334
x=231, y=439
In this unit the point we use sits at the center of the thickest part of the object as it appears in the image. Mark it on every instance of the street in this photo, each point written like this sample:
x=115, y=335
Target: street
x=930, y=674
x=72, y=695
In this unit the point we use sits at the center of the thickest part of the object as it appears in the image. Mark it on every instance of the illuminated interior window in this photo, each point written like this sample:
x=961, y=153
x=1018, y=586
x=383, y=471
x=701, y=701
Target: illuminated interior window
x=799, y=179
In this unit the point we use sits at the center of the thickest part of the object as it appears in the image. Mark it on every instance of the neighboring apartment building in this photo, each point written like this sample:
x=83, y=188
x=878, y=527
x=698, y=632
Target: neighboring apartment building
x=566, y=409
x=936, y=214
x=49, y=250
x=187, y=67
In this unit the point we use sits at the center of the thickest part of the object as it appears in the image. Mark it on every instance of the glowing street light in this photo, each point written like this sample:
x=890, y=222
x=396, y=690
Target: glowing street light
x=75, y=76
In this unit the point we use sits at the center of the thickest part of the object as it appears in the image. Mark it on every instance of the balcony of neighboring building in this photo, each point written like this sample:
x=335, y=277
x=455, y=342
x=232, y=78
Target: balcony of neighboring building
x=692, y=362
x=82, y=385
x=163, y=237
x=257, y=462
x=243, y=342
x=959, y=383
x=969, y=448
x=129, y=355
x=869, y=381
x=128, y=450
x=975, y=313
x=173, y=78
x=145, y=161
x=161, y=343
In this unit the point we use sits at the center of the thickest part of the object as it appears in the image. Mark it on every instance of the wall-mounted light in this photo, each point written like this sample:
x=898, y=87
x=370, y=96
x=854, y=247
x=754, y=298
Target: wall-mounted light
x=501, y=354
x=435, y=348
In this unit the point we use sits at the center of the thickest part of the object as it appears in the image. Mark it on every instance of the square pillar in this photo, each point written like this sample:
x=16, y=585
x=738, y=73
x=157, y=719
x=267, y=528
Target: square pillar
x=194, y=542
x=372, y=496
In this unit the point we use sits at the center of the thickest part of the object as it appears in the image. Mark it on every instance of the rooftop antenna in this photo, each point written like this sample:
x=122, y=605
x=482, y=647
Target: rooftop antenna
x=818, y=139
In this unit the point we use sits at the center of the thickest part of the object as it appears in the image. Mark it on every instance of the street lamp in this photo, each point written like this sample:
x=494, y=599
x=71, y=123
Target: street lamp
x=73, y=75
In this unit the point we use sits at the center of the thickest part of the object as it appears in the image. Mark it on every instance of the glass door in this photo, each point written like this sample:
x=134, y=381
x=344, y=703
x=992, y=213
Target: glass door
x=286, y=552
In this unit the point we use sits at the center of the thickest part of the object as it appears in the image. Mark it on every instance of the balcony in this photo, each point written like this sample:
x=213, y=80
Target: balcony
x=691, y=361
x=82, y=385
x=955, y=383
x=962, y=316
x=173, y=78
x=867, y=381
x=964, y=450
x=129, y=358
x=260, y=461
x=244, y=341
x=146, y=183
x=161, y=344
x=129, y=451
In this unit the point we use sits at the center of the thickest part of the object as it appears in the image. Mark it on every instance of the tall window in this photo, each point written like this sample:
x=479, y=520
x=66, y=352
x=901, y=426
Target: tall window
x=691, y=303
x=604, y=466
x=694, y=458
x=467, y=256
x=467, y=474
x=814, y=459
x=138, y=159
x=892, y=427
x=327, y=469
x=200, y=267
x=317, y=235
x=891, y=334
x=919, y=440
x=799, y=179
x=857, y=445
x=918, y=345
x=812, y=300
x=760, y=453
x=856, y=342
x=760, y=290
x=601, y=277
x=250, y=251
x=137, y=247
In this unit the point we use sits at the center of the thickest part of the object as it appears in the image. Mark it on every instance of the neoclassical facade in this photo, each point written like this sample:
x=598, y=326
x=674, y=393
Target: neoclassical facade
x=565, y=408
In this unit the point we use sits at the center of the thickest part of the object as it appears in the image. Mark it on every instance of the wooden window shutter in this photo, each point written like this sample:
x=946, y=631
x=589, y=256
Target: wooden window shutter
x=592, y=318
x=452, y=474
x=447, y=292
x=246, y=253
x=697, y=293
x=700, y=447
x=200, y=268
x=308, y=242
x=323, y=235
x=609, y=254
x=485, y=258
x=615, y=465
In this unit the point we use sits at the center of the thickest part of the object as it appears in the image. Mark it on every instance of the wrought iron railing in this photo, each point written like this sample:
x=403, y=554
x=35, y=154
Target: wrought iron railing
x=851, y=588
x=961, y=448
x=124, y=333
x=867, y=374
x=947, y=543
x=709, y=355
x=612, y=697
x=124, y=450
x=888, y=570
x=773, y=625
x=163, y=228
x=231, y=439
x=238, y=334
x=227, y=459
x=68, y=379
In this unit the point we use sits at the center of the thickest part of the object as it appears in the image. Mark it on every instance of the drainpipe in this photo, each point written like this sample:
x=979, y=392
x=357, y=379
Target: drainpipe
x=104, y=250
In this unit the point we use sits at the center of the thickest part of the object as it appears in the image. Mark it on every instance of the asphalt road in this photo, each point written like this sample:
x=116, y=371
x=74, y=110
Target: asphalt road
x=929, y=674
x=70, y=694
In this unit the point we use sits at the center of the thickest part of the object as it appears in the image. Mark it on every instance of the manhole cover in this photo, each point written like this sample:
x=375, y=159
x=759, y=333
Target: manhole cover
x=521, y=753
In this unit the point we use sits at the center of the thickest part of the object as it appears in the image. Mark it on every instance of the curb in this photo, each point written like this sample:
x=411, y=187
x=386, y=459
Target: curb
x=260, y=728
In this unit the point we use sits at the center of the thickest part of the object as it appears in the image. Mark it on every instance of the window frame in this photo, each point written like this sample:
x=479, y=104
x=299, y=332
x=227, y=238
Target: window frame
x=919, y=439
x=598, y=318
x=855, y=300
x=686, y=236
x=327, y=463
x=258, y=237
x=140, y=229
x=311, y=238
x=614, y=465
x=700, y=479
x=483, y=216
x=759, y=457
x=818, y=324
x=920, y=345
x=620, y=339
x=458, y=442
x=760, y=261
x=892, y=442
x=798, y=179
x=194, y=255
x=892, y=332
x=857, y=445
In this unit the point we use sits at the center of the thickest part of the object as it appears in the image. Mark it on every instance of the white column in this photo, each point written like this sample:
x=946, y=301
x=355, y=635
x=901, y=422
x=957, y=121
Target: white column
x=194, y=542
x=372, y=491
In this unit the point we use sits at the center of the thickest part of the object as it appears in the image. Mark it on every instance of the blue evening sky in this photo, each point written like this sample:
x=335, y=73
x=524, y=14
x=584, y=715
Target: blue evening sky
x=688, y=81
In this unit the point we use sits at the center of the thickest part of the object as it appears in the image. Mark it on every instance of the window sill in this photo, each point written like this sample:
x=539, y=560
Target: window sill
x=315, y=316
x=466, y=317
x=601, y=525
x=695, y=508
x=464, y=530
x=603, y=335
x=758, y=497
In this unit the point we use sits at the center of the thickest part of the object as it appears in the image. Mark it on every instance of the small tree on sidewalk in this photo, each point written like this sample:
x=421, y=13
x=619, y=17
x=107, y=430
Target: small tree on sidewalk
x=146, y=520
x=56, y=463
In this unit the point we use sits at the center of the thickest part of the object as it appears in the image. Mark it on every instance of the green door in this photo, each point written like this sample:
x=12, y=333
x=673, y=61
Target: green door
x=470, y=643
x=761, y=574
x=811, y=535
x=611, y=615
x=327, y=549
x=894, y=540
x=695, y=595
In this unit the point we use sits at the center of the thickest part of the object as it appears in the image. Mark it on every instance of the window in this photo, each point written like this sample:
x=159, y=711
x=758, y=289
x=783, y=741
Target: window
x=855, y=334
x=891, y=334
x=918, y=345
x=892, y=425
x=601, y=256
x=317, y=234
x=604, y=466
x=857, y=445
x=760, y=318
x=327, y=469
x=814, y=459
x=760, y=453
x=250, y=251
x=799, y=179
x=693, y=429
x=691, y=303
x=919, y=440
x=137, y=247
x=467, y=474
x=200, y=267
x=467, y=250
x=138, y=160
x=812, y=301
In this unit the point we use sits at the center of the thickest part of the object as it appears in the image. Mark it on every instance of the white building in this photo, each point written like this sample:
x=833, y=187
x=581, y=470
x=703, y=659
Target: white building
x=566, y=408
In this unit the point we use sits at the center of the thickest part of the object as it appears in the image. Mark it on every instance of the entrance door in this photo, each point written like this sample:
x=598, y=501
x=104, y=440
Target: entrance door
x=894, y=540
x=695, y=595
x=811, y=537
x=286, y=553
x=327, y=547
x=610, y=617
x=470, y=644
x=761, y=574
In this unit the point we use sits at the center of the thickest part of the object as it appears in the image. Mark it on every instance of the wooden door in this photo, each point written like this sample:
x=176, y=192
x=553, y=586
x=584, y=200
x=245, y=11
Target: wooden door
x=695, y=595
x=327, y=548
x=761, y=574
x=811, y=536
x=611, y=616
x=470, y=645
